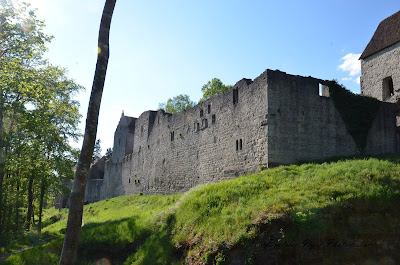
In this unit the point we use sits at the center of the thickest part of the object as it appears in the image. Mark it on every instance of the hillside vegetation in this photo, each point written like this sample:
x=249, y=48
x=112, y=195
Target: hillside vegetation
x=343, y=212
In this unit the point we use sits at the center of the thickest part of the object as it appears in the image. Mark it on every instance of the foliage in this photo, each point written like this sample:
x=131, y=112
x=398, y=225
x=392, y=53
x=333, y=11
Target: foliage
x=38, y=117
x=109, y=152
x=177, y=104
x=212, y=88
x=358, y=111
x=97, y=150
x=315, y=202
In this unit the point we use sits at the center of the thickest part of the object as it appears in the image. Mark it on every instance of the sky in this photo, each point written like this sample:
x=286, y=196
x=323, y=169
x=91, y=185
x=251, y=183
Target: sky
x=159, y=49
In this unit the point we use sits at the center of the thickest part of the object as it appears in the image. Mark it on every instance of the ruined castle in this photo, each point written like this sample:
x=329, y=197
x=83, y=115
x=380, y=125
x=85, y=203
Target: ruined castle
x=274, y=119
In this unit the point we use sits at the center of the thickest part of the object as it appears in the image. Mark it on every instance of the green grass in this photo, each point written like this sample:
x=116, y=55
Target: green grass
x=328, y=213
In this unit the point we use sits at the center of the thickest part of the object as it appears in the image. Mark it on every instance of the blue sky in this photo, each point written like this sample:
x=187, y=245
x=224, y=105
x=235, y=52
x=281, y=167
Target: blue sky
x=160, y=49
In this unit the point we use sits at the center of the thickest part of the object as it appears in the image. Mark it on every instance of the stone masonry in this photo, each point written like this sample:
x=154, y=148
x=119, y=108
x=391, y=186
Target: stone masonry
x=272, y=120
x=276, y=119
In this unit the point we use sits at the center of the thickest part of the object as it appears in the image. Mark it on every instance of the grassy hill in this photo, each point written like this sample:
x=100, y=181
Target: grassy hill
x=344, y=212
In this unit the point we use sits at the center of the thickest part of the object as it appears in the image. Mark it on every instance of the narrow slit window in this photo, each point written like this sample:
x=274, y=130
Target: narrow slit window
x=205, y=123
x=198, y=127
x=240, y=144
x=201, y=113
x=213, y=119
x=235, y=96
x=209, y=109
x=237, y=145
x=172, y=136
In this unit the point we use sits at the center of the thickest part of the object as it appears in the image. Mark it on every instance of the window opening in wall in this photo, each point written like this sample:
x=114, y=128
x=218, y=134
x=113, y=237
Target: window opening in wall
x=240, y=144
x=129, y=180
x=205, y=123
x=323, y=91
x=172, y=136
x=387, y=87
x=201, y=113
x=198, y=127
x=237, y=145
x=213, y=119
x=209, y=109
x=235, y=96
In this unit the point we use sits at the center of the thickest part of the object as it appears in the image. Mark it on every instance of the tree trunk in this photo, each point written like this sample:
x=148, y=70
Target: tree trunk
x=16, y=228
x=30, y=203
x=42, y=190
x=2, y=156
x=71, y=240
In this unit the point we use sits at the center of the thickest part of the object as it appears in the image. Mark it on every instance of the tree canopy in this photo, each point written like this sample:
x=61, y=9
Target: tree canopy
x=182, y=102
x=177, y=104
x=38, y=117
x=212, y=88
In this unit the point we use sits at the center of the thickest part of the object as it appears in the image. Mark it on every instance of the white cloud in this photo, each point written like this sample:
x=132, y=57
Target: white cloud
x=351, y=64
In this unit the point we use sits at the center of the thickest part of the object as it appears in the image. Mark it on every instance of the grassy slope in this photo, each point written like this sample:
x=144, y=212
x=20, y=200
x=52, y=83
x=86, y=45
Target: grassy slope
x=330, y=213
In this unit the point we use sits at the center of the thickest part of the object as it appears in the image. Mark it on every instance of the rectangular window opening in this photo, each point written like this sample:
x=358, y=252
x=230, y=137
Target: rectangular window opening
x=201, y=113
x=172, y=136
x=240, y=144
x=213, y=119
x=323, y=91
x=237, y=145
x=209, y=109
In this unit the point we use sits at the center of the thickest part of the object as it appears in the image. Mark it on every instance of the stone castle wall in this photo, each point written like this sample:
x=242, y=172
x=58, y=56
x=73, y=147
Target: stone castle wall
x=302, y=125
x=173, y=153
x=277, y=119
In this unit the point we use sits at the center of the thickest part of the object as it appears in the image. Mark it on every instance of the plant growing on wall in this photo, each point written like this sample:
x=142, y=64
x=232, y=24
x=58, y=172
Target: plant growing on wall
x=357, y=111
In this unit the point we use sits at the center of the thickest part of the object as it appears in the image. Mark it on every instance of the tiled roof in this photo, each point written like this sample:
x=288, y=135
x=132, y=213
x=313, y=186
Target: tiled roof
x=386, y=35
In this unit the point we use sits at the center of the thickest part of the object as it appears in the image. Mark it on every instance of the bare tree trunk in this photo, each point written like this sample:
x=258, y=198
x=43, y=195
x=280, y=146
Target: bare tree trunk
x=2, y=155
x=71, y=240
x=30, y=203
x=42, y=191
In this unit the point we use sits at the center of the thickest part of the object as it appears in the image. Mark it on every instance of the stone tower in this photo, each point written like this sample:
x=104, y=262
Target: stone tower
x=380, y=62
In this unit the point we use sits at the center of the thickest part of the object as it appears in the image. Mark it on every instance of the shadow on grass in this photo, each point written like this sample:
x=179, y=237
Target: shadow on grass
x=113, y=240
x=158, y=248
x=357, y=231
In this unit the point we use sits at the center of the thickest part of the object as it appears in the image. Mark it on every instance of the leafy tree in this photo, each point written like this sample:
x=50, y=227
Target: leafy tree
x=177, y=104
x=97, y=150
x=212, y=88
x=21, y=46
x=37, y=118
x=109, y=152
x=74, y=223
